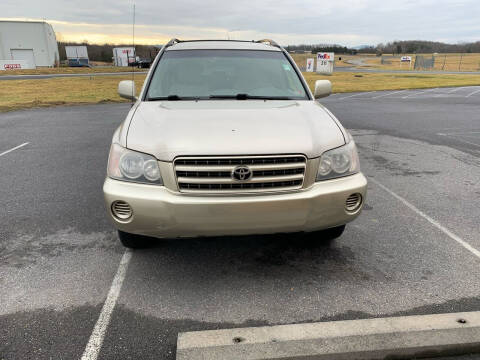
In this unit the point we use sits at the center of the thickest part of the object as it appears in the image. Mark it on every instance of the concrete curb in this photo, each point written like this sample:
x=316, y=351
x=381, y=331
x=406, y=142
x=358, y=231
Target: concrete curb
x=384, y=338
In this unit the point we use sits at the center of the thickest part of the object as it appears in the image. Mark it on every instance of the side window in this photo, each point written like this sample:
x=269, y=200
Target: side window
x=293, y=83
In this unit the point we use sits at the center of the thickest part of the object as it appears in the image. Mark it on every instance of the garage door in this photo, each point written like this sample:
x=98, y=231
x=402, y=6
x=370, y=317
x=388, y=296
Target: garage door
x=24, y=54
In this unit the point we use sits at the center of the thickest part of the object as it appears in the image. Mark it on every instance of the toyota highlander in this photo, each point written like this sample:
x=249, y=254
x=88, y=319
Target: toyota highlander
x=226, y=138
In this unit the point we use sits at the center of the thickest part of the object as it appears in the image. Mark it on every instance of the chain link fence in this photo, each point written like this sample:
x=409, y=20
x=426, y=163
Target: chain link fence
x=424, y=63
x=437, y=62
x=468, y=62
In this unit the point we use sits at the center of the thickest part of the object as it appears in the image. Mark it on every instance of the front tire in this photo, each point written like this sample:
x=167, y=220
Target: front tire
x=133, y=241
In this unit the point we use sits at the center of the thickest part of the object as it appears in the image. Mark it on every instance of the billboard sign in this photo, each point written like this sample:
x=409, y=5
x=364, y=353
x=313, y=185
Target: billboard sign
x=310, y=62
x=406, y=59
x=325, y=62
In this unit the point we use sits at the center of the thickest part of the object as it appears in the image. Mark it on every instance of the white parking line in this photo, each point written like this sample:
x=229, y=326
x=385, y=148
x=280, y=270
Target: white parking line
x=362, y=93
x=477, y=91
x=419, y=92
x=392, y=93
x=435, y=223
x=95, y=342
x=15, y=148
x=456, y=89
x=96, y=338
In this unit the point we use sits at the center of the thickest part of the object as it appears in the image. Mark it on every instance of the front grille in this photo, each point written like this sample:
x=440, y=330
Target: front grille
x=214, y=174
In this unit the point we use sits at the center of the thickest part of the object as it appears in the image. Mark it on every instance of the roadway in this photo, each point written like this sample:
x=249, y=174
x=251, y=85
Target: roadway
x=413, y=250
x=337, y=69
x=50, y=76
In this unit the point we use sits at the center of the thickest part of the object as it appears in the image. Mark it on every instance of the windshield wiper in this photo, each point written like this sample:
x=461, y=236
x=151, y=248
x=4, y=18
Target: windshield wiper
x=236, y=97
x=253, y=97
x=173, y=98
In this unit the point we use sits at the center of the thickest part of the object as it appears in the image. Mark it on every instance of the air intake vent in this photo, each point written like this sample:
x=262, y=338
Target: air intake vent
x=121, y=210
x=353, y=202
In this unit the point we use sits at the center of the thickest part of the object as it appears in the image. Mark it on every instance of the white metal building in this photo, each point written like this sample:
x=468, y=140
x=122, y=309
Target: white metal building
x=29, y=44
x=77, y=55
x=123, y=56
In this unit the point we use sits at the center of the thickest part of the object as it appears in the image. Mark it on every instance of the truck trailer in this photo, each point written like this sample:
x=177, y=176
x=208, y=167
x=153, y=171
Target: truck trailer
x=77, y=55
x=123, y=56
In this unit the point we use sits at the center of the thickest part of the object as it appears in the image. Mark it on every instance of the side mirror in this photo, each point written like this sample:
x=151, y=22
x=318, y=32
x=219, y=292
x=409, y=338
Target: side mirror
x=126, y=89
x=323, y=88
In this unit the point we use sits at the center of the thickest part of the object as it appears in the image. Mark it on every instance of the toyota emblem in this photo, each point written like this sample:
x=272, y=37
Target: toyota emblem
x=242, y=173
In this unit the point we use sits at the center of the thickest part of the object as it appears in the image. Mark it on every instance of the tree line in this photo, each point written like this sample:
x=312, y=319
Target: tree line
x=421, y=46
x=394, y=47
x=104, y=52
x=339, y=49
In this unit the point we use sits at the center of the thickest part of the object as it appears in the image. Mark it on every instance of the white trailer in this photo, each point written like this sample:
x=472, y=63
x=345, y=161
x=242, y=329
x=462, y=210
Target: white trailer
x=27, y=45
x=77, y=55
x=123, y=56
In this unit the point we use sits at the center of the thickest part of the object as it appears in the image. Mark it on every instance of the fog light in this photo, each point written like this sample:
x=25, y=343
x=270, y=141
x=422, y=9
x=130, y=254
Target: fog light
x=353, y=202
x=121, y=210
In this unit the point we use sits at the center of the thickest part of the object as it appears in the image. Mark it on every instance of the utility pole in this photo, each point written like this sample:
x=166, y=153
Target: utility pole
x=134, y=52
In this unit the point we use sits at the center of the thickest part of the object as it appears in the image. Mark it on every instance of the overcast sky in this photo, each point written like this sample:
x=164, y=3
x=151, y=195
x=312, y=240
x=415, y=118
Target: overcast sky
x=347, y=22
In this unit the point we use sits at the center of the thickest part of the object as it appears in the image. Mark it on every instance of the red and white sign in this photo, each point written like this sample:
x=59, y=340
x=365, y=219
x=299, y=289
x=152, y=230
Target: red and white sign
x=406, y=59
x=13, y=65
x=310, y=62
x=325, y=63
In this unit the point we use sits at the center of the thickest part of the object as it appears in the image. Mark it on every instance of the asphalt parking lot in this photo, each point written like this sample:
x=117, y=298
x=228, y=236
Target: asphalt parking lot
x=414, y=250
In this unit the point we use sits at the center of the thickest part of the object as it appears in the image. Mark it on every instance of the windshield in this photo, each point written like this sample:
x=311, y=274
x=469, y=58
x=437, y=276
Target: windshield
x=240, y=74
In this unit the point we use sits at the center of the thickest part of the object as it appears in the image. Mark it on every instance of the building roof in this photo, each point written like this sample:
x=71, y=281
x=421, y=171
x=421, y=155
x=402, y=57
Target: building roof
x=24, y=22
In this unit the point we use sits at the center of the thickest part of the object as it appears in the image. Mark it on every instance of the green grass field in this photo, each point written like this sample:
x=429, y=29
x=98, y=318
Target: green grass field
x=20, y=94
x=351, y=82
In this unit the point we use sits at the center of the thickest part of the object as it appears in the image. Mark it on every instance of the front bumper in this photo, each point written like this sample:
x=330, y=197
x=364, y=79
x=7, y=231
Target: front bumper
x=161, y=213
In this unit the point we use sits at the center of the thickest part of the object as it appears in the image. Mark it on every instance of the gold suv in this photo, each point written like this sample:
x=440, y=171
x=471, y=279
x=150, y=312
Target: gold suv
x=227, y=139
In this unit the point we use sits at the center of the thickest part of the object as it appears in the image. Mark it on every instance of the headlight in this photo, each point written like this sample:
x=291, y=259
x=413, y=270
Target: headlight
x=128, y=165
x=339, y=162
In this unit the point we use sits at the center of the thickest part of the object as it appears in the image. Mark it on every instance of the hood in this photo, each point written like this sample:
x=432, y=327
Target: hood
x=169, y=129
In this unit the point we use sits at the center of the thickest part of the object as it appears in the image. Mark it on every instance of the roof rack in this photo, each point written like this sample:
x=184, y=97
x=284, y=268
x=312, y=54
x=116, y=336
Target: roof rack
x=269, y=42
x=262, y=41
x=172, y=42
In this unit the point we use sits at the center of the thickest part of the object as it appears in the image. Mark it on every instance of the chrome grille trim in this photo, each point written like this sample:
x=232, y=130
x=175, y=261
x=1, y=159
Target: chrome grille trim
x=213, y=174
x=240, y=160
x=229, y=180
x=257, y=167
